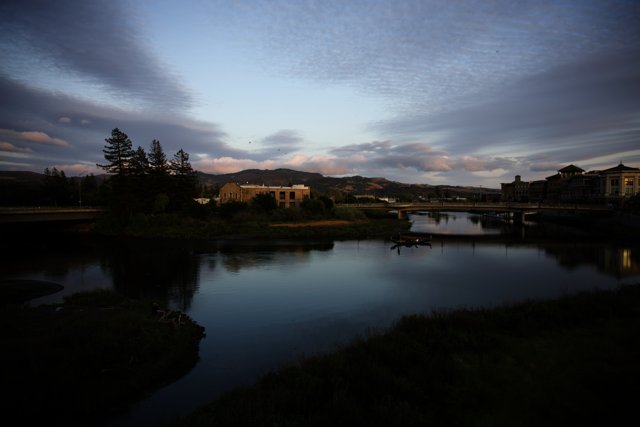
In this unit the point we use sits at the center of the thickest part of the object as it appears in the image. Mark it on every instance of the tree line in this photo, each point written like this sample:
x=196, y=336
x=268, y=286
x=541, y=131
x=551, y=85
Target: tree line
x=138, y=182
x=144, y=182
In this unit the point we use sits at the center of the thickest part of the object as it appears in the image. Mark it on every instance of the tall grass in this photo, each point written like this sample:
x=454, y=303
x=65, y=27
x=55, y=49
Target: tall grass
x=573, y=361
x=80, y=362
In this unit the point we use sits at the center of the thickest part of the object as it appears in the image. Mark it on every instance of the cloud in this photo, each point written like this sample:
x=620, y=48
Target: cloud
x=486, y=164
x=10, y=148
x=387, y=155
x=375, y=158
x=278, y=144
x=33, y=136
x=431, y=55
x=95, y=40
x=32, y=115
x=584, y=109
x=223, y=165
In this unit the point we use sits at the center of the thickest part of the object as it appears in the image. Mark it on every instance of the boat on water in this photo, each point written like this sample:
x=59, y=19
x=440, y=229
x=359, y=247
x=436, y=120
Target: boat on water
x=412, y=240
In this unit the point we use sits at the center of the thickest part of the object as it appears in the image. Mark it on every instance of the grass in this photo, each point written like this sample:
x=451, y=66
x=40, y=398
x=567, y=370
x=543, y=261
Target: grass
x=174, y=226
x=83, y=361
x=572, y=361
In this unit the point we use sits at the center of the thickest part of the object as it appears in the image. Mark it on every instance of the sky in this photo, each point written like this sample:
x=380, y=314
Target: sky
x=417, y=91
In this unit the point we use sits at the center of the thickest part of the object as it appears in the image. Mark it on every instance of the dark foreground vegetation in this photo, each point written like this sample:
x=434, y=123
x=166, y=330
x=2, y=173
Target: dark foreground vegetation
x=86, y=360
x=573, y=361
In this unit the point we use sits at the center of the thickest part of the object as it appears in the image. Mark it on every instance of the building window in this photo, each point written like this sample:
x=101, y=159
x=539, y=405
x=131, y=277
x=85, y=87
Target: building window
x=292, y=204
x=282, y=204
x=628, y=186
x=615, y=186
x=292, y=195
x=273, y=194
x=282, y=195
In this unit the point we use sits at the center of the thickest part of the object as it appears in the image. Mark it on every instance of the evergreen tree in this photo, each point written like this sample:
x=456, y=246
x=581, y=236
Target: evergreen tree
x=118, y=152
x=157, y=159
x=184, y=181
x=56, y=188
x=180, y=164
x=139, y=162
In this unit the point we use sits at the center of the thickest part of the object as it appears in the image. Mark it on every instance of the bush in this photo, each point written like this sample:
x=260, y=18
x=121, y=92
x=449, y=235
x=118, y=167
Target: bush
x=230, y=209
x=349, y=214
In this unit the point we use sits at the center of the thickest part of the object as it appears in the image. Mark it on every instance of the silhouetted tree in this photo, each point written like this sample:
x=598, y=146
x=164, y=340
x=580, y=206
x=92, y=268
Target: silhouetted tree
x=180, y=164
x=118, y=153
x=264, y=202
x=313, y=207
x=185, y=181
x=157, y=160
x=230, y=209
x=139, y=164
x=56, y=188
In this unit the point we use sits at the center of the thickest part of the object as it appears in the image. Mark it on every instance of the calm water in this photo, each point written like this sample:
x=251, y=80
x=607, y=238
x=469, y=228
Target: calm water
x=265, y=304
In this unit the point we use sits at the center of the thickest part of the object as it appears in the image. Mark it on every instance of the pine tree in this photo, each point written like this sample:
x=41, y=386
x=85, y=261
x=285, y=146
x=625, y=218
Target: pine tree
x=118, y=152
x=180, y=164
x=184, y=178
x=157, y=159
x=139, y=162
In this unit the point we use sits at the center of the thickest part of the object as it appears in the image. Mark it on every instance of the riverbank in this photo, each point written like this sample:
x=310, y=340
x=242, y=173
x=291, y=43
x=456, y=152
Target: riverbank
x=571, y=361
x=83, y=361
x=173, y=226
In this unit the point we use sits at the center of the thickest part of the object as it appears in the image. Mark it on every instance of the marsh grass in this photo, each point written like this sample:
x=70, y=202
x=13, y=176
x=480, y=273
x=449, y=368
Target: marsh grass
x=85, y=360
x=572, y=361
x=250, y=225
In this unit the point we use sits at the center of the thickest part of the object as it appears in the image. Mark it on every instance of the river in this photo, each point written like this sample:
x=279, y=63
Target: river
x=270, y=302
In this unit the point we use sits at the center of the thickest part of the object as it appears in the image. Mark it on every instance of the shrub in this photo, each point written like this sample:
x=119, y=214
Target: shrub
x=349, y=214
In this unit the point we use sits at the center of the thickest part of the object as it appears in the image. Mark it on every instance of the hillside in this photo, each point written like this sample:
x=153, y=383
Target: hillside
x=355, y=185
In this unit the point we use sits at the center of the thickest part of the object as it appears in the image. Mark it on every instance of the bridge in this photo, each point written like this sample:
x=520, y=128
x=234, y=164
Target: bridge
x=48, y=214
x=517, y=210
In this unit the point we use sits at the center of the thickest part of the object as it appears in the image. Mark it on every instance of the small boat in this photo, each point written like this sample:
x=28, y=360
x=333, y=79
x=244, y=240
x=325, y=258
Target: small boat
x=412, y=240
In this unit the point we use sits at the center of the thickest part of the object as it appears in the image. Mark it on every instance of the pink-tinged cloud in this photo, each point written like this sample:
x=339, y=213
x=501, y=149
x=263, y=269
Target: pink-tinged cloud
x=326, y=165
x=224, y=165
x=486, y=164
x=437, y=164
x=323, y=164
x=33, y=136
x=10, y=148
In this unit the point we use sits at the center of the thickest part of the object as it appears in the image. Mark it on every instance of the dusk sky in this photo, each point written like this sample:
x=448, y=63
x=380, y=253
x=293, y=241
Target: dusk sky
x=425, y=91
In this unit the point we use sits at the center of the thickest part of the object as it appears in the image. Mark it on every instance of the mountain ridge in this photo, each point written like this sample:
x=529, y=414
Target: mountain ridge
x=354, y=185
x=320, y=184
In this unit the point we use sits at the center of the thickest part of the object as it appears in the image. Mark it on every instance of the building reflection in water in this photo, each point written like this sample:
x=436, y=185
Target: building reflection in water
x=610, y=259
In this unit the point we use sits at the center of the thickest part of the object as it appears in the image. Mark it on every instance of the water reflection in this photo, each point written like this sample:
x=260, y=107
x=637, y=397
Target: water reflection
x=458, y=223
x=264, y=303
x=610, y=259
x=247, y=254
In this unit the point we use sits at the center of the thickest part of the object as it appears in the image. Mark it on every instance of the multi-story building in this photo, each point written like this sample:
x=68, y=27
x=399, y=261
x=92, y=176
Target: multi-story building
x=620, y=181
x=572, y=184
x=286, y=197
x=516, y=191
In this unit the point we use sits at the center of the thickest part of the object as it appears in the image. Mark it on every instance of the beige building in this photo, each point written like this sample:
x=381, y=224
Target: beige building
x=620, y=181
x=286, y=197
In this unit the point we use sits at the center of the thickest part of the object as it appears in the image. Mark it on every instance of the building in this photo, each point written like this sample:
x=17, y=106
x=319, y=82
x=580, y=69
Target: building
x=516, y=191
x=286, y=197
x=620, y=181
x=573, y=184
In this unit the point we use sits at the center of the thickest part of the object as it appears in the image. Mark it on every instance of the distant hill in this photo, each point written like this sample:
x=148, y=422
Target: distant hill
x=21, y=177
x=355, y=185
